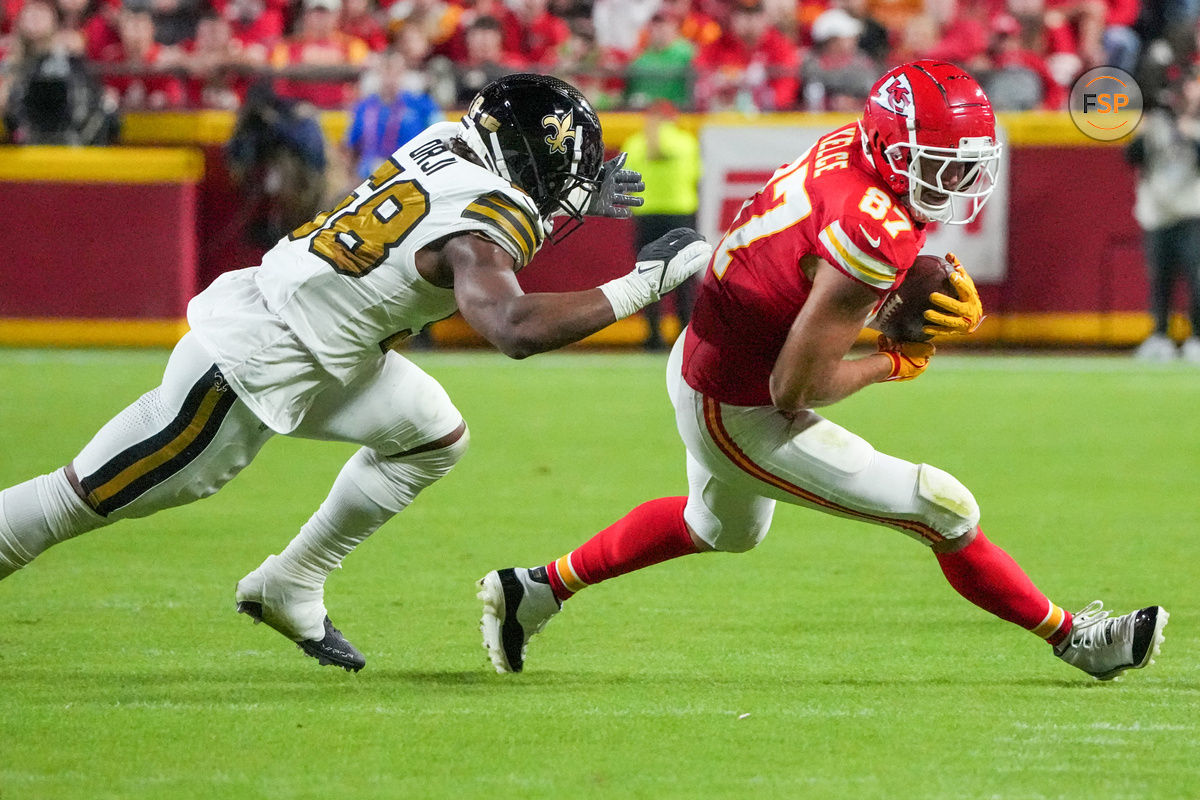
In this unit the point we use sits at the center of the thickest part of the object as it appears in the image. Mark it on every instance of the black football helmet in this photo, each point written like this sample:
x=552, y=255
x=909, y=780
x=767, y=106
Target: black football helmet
x=540, y=134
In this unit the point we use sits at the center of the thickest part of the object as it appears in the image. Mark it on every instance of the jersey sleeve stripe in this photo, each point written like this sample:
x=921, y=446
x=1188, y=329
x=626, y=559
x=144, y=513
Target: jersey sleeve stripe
x=852, y=259
x=520, y=216
x=508, y=220
x=502, y=230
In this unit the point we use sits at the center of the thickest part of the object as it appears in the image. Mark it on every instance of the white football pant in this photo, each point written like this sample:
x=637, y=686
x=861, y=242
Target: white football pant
x=188, y=437
x=741, y=460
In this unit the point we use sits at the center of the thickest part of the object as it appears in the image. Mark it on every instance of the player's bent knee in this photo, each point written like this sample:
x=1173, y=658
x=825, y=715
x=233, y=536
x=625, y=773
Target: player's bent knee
x=443, y=459
x=954, y=507
x=395, y=481
x=737, y=533
x=742, y=541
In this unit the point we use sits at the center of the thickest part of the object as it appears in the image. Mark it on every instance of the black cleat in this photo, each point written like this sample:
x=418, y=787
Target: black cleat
x=333, y=648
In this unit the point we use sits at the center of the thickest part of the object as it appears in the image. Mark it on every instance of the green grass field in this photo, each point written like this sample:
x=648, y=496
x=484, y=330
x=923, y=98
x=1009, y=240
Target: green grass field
x=831, y=662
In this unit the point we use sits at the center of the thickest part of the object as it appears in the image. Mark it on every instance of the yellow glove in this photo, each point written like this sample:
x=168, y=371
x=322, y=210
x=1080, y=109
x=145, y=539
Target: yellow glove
x=909, y=359
x=964, y=313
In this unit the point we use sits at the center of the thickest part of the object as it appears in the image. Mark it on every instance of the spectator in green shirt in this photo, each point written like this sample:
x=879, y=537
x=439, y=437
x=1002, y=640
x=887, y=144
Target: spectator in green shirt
x=668, y=156
x=663, y=69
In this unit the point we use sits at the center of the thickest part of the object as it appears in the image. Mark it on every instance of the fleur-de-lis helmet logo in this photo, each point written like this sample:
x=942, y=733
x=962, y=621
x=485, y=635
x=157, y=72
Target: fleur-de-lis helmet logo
x=561, y=129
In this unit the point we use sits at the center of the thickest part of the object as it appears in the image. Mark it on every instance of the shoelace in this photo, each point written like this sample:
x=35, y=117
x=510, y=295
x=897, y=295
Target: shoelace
x=1086, y=628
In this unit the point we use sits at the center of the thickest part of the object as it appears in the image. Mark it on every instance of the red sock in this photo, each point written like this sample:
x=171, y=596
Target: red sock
x=651, y=533
x=989, y=578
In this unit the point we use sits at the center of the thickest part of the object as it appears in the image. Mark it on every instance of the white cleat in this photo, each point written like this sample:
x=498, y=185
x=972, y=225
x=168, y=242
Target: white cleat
x=1104, y=646
x=517, y=603
x=1156, y=349
x=1189, y=351
x=297, y=612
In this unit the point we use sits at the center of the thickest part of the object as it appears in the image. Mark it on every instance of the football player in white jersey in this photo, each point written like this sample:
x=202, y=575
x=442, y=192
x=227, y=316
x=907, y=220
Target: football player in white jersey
x=302, y=344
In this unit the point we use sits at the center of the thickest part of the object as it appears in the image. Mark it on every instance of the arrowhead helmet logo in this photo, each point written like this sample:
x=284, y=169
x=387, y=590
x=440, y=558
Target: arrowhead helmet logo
x=896, y=96
x=561, y=130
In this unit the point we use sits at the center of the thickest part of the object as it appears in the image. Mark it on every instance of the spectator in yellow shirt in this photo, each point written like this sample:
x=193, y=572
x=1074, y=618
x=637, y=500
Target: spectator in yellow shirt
x=668, y=156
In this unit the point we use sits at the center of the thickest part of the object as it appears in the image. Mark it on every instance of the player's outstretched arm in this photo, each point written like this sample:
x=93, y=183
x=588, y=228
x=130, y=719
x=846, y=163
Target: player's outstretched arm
x=812, y=369
x=662, y=265
x=520, y=324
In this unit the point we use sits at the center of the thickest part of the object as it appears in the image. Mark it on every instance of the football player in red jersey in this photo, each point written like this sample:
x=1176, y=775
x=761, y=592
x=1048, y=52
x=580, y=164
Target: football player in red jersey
x=787, y=292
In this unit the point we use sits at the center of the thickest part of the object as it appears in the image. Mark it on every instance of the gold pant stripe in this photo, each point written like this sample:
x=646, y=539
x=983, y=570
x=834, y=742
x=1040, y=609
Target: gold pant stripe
x=161, y=456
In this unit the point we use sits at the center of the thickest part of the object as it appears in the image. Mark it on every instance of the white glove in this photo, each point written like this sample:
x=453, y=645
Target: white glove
x=661, y=266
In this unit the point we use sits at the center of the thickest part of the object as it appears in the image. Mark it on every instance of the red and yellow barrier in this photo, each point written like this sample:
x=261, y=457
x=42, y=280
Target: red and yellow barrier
x=102, y=247
x=114, y=241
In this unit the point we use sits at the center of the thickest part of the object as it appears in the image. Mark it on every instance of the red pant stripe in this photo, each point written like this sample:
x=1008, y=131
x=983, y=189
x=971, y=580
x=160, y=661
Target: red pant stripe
x=725, y=442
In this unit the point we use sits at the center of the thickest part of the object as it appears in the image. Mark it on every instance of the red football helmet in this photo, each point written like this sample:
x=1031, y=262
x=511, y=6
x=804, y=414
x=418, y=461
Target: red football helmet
x=931, y=133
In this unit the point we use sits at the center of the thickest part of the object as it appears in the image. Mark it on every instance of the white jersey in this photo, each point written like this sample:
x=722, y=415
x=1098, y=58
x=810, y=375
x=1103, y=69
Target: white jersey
x=339, y=287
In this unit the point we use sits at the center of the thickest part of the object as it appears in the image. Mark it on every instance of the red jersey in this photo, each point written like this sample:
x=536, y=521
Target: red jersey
x=99, y=34
x=8, y=13
x=367, y=28
x=773, y=55
x=830, y=203
x=539, y=38
x=340, y=49
x=153, y=89
x=263, y=31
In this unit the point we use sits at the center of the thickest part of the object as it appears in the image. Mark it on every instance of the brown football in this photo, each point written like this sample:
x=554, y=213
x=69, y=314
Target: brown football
x=902, y=314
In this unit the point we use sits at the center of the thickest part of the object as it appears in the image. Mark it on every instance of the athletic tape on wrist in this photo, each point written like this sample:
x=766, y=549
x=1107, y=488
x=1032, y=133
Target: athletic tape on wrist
x=627, y=294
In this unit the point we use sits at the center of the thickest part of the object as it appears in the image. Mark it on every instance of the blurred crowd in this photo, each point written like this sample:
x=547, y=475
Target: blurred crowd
x=750, y=55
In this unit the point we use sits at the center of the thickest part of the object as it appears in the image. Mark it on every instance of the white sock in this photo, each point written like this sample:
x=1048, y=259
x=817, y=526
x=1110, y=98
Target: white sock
x=369, y=491
x=344, y=520
x=341, y=523
x=37, y=514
